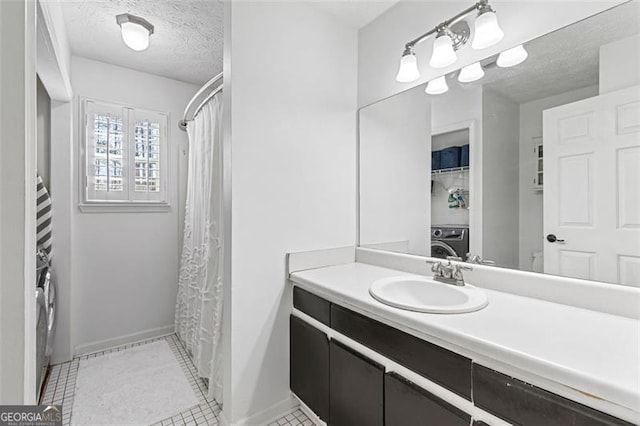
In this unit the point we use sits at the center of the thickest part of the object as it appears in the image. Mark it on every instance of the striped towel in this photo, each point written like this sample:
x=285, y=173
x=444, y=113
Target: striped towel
x=43, y=218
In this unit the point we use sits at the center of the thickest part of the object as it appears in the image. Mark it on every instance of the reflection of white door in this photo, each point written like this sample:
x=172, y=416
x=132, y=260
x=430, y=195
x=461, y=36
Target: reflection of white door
x=592, y=188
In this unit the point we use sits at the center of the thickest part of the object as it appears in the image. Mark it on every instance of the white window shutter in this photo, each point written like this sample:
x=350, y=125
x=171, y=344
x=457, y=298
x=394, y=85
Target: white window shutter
x=149, y=154
x=125, y=155
x=106, y=153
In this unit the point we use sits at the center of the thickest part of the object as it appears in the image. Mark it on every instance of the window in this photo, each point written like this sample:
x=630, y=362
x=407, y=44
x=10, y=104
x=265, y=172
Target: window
x=125, y=155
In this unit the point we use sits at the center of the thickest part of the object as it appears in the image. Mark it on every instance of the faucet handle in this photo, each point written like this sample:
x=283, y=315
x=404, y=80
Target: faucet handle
x=436, y=265
x=454, y=258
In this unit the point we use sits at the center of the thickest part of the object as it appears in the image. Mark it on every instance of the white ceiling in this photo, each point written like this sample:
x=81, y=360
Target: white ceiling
x=355, y=13
x=186, y=44
x=566, y=59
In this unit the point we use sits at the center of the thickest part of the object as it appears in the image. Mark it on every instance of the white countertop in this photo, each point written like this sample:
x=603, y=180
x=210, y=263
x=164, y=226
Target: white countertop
x=594, y=354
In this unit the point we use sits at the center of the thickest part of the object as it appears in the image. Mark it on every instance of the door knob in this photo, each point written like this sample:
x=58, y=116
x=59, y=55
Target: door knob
x=553, y=239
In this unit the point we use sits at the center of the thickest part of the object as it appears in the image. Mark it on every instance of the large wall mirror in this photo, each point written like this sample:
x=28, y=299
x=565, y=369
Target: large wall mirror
x=534, y=167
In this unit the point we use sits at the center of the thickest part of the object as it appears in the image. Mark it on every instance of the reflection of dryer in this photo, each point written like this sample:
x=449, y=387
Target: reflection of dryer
x=449, y=240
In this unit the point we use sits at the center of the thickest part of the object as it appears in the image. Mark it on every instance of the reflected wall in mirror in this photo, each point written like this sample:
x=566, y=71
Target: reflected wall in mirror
x=534, y=167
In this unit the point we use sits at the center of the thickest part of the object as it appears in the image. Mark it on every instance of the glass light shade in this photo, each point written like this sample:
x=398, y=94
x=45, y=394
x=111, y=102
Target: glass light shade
x=408, y=71
x=471, y=73
x=487, y=31
x=135, y=36
x=437, y=86
x=512, y=57
x=443, y=53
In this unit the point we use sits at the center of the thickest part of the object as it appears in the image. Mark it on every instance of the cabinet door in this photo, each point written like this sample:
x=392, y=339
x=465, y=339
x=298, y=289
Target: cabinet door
x=357, y=388
x=406, y=404
x=309, y=366
x=522, y=403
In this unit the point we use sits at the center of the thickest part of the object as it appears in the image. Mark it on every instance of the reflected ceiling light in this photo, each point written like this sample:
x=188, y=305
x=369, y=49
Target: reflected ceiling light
x=437, y=86
x=408, y=71
x=487, y=31
x=135, y=31
x=471, y=73
x=451, y=35
x=512, y=57
x=443, y=54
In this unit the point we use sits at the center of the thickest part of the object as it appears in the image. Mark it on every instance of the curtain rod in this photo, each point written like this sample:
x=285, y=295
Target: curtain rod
x=188, y=114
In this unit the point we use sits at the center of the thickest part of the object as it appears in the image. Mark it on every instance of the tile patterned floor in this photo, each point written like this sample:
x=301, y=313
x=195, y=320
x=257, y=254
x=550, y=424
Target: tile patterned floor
x=61, y=385
x=297, y=418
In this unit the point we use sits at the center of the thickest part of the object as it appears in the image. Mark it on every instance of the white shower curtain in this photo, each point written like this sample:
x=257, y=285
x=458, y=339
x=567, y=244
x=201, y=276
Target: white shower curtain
x=199, y=301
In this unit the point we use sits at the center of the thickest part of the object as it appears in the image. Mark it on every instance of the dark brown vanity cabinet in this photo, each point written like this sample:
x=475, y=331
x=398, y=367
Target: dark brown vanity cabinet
x=356, y=388
x=522, y=403
x=345, y=388
x=309, y=366
x=407, y=404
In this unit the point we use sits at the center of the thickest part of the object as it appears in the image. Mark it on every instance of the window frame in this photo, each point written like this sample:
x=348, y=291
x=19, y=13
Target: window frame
x=127, y=201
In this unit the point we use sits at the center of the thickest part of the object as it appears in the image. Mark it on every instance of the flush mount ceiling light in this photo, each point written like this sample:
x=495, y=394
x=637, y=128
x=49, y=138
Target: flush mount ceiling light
x=512, y=57
x=437, y=86
x=451, y=35
x=135, y=31
x=471, y=73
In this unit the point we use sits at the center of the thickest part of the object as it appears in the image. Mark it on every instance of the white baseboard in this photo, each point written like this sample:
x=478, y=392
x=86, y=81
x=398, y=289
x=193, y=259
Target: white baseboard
x=266, y=416
x=309, y=413
x=101, y=345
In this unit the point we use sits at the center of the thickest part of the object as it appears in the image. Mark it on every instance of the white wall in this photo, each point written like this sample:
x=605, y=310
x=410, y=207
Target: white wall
x=17, y=202
x=382, y=41
x=395, y=163
x=620, y=64
x=530, y=201
x=125, y=265
x=500, y=149
x=292, y=95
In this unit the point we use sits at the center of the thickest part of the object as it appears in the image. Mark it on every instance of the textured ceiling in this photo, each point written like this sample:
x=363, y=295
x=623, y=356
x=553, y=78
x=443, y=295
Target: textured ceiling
x=186, y=44
x=355, y=13
x=566, y=59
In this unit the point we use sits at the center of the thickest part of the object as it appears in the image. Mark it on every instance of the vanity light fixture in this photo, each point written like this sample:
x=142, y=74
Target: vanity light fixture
x=443, y=53
x=451, y=35
x=487, y=31
x=135, y=31
x=437, y=86
x=512, y=57
x=408, y=67
x=471, y=73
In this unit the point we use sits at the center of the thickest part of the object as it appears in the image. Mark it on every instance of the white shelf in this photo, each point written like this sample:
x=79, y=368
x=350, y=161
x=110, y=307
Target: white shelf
x=448, y=171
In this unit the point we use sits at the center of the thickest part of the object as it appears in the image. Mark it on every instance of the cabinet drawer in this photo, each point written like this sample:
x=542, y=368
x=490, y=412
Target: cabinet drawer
x=356, y=388
x=519, y=402
x=312, y=305
x=407, y=404
x=309, y=366
x=440, y=365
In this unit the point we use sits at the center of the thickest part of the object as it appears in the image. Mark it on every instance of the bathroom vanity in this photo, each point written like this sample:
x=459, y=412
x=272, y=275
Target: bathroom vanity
x=519, y=360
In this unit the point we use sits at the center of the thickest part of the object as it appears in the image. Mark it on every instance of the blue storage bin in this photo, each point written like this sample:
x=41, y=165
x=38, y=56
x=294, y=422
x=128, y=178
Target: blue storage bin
x=464, y=155
x=450, y=157
x=435, y=160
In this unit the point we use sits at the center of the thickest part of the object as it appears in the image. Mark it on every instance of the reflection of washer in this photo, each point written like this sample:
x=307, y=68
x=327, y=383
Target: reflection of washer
x=449, y=240
x=46, y=317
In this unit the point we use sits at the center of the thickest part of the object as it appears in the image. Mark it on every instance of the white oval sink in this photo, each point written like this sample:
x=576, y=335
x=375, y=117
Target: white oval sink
x=426, y=295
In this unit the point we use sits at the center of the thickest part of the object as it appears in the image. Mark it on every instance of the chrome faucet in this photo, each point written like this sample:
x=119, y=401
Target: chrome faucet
x=449, y=273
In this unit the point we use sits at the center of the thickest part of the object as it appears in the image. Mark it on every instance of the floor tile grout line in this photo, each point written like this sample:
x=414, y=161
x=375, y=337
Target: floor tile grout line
x=67, y=372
